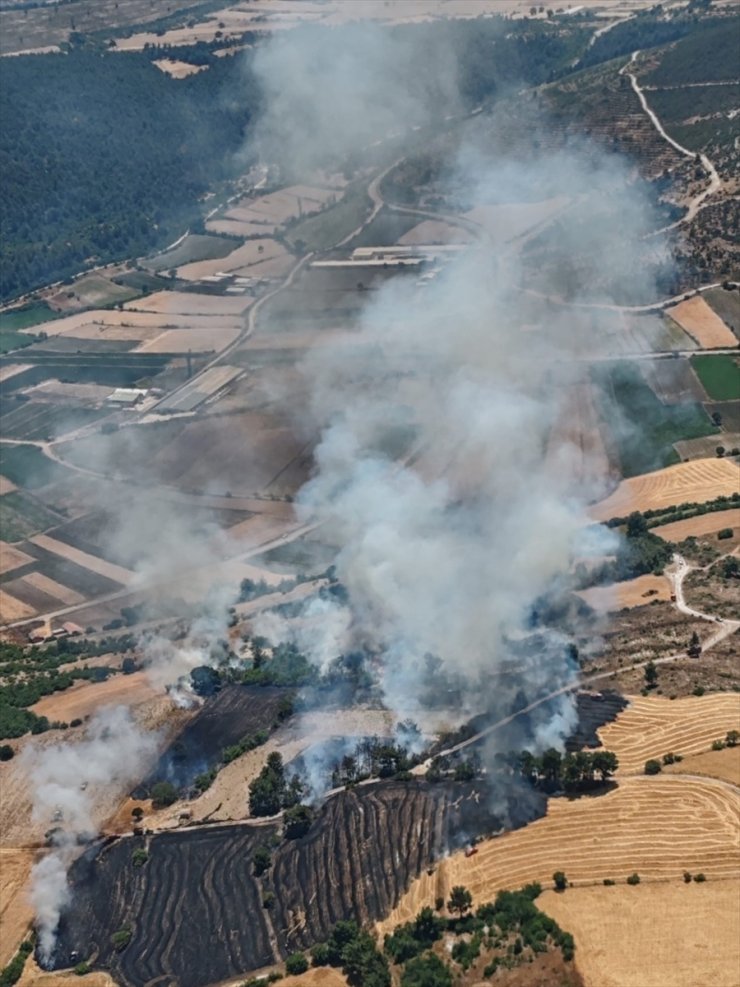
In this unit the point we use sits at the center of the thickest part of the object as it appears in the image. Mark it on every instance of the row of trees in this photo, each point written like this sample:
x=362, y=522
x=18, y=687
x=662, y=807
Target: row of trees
x=570, y=771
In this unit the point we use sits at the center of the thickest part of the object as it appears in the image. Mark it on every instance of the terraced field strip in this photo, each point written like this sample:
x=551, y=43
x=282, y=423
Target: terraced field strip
x=51, y=587
x=657, y=826
x=189, y=303
x=702, y=524
x=108, y=569
x=653, y=726
x=15, y=908
x=653, y=935
x=700, y=480
x=13, y=609
x=724, y=764
x=702, y=323
x=12, y=557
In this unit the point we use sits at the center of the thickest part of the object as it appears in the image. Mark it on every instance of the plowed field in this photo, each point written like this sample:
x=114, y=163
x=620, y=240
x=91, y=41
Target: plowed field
x=653, y=726
x=724, y=764
x=699, y=321
x=703, y=479
x=83, y=698
x=658, y=826
x=186, y=303
x=653, y=935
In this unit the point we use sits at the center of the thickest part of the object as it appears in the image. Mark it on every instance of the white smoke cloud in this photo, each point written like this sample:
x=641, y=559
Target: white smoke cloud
x=65, y=780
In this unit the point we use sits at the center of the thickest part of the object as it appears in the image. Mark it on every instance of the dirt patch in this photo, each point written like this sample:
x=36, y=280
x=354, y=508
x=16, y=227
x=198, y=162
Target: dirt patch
x=653, y=935
x=6, y=486
x=703, y=324
x=656, y=826
x=15, y=909
x=653, y=726
x=701, y=480
x=12, y=557
x=83, y=698
x=178, y=70
x=630, y=593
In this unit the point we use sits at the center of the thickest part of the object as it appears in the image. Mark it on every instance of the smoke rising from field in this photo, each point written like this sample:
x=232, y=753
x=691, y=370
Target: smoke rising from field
x=449, y=555
x=66, y=779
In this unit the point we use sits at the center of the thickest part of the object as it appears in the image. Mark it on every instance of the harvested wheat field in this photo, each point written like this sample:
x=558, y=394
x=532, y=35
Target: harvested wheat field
x=703, y=524
x=631, y=593
x=15, y=909
x=186, y=340
x=92, y=562
x=13, y=609
x=34, y=976
x=83, y=698
x=189, y=303
x=323, y=977
x=12, y=557
x=657, y=826
x=703, y=324
x=653, y=726
x=700, y=480
x=249, y=253
x=576, y=441
x=52, y=588
x=658, y=935
x=724, y=764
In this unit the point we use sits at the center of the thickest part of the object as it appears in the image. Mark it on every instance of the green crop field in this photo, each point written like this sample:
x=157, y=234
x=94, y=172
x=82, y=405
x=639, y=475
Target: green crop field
x=27, y=466
x=195, y=246
x=11, y=340
x=720, y=375
x=22, y=516
x=327, y=228
x=642, y=427
x=26, y=316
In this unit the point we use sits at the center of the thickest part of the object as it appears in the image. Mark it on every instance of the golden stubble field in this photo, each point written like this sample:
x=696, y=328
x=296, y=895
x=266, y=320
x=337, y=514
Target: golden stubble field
x=656, y=935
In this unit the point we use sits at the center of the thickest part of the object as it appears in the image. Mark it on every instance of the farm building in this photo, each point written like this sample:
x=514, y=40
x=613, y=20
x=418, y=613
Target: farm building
x=127, y=397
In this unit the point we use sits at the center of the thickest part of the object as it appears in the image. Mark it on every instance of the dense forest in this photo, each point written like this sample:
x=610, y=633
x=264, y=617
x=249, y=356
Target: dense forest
x=104, y=156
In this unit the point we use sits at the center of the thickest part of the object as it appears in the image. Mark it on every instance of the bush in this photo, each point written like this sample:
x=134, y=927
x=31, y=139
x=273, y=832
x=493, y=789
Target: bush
x=732, y=738
x=560, y=880
x=724, y=534
x=698, y=690
x=6, y=752
x=121, y=939
x=262, y=860
x=633, y=878
x=163, y=794
x=268, y=899
x=82, y=968
x=426, y=971
x=687, y=877
x=718, y=745
x=296, y=964
x=653, y=767
x=11, y=973
x=700, y=878
x=139, y=857
x=608, y=882
x=320, y=954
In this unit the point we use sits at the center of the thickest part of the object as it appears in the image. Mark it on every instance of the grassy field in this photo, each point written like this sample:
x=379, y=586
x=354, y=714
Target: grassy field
x=11, y=340
x=327, y=228
x=193, y=247
x=26, y=316
x=21, y=516
x=642, y=427
x=27, y=466
x=720, y=375
x=386, y=229
x=727, y=306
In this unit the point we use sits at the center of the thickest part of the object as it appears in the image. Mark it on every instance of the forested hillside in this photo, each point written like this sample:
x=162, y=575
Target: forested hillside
x=104, y=156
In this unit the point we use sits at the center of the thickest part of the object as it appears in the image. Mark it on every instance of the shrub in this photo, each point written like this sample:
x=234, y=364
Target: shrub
x=121, y=939
x=669, y=758
x=718, y=745
x=560, y=880
x=139, y=857
x=608, y=882
x=687, y=877
x=6, y=752
x=262, y=860
x=296, y=964
x=698, y=690
x=732, y=738
x=268, y=899
x=724, y=534
x=439, y=904
x=163, y=794
x=653, y=767
x=82, y=968
x=633, y=878
x=700, y=878
x=320, y=954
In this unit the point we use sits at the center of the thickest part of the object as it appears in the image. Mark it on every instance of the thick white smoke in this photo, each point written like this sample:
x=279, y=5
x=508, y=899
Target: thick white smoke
x=66, y=779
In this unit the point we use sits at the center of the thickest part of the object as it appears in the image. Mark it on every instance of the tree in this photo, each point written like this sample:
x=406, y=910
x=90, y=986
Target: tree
x=732, y=738
x=164, y=793
x=128, y=665
x=426, y=971
x=6, y=752
x=139, y=857
x=633, y=878
x=262, y=860
x=606, y=763
x=320, y=954
x=651, y=675
x=297, y=819
x=653, y=767
x=296, y=964
x=560, y=880
x=137, y=814
x=636, y=525
x=460, y=900
x=694, y=649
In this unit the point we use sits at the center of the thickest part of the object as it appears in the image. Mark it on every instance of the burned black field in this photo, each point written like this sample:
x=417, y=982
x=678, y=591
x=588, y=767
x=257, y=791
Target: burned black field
x=224, y=719
x=195, y=909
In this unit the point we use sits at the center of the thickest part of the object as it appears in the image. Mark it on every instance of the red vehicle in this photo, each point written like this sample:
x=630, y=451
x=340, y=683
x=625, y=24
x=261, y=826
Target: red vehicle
x=470, y=851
